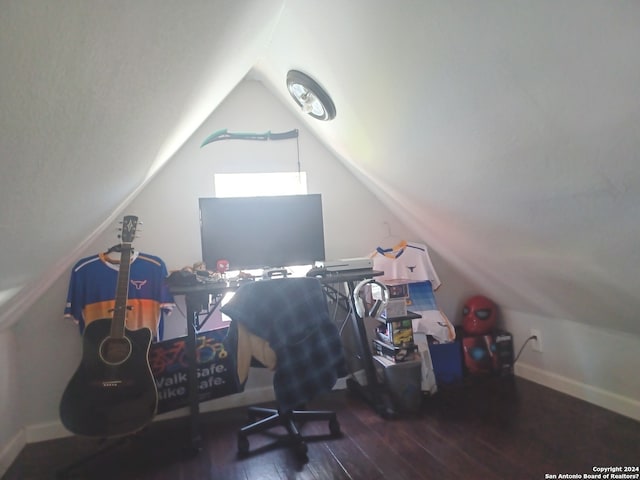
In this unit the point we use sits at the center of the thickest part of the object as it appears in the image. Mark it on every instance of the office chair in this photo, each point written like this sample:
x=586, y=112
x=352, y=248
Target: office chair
x=291, y=314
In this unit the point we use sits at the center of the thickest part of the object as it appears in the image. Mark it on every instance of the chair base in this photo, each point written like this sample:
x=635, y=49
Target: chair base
x=292, y=421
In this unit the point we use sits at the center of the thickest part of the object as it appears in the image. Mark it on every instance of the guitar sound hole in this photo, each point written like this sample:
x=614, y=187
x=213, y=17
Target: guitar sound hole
x=115, y=351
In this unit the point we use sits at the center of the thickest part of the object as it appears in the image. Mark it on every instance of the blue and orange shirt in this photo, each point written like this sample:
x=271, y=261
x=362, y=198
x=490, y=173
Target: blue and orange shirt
x=92, y=292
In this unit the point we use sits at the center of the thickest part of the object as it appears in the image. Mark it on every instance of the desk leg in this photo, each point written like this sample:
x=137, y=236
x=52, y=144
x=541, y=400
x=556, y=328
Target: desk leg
x=373, y=392
x=192, y=378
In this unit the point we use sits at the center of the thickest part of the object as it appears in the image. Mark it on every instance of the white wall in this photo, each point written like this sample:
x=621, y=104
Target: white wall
x=11, y=435
x=169, y=204
x=49, y=349
x=49, y=346
x=597, y=365
x=591, y=363
x=587, y=362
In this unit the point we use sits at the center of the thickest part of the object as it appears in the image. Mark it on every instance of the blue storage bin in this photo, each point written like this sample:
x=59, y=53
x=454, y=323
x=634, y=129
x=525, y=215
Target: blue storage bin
x=447, y=362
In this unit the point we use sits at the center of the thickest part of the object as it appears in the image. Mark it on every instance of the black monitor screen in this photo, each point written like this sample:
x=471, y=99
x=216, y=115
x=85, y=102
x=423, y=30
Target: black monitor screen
x=262, y=232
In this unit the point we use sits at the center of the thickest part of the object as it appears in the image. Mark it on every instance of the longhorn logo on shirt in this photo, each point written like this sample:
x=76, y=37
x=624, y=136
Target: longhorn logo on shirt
x=138, y=283
x=411, y=269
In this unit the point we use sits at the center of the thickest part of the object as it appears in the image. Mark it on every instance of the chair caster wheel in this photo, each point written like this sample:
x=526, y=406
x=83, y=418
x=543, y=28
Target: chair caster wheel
x=243, y=445
x=334, y=427
x=301, y=449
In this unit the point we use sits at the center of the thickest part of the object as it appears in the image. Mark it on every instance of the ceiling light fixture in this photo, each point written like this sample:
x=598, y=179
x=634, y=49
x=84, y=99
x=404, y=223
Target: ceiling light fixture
x=310, y=96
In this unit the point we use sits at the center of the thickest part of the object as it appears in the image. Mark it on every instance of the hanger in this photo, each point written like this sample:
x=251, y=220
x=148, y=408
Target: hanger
x=132, y=222
x=114, y=248
x=391, y=242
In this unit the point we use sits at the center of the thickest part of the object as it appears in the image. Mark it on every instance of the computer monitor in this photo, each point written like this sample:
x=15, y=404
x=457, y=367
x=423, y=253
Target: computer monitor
x=262, y=232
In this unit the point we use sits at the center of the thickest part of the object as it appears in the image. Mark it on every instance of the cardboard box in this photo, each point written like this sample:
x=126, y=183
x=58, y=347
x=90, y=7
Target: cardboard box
x=396, y=307
x=393, y=353
x=397, y=302
x=398, y=291
x=489, y=354
x=398, y=333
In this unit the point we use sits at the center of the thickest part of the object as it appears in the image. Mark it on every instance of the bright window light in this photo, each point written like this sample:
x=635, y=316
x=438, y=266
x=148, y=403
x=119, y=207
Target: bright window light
x=227, y=296
x=260, y=184
x=256, y=185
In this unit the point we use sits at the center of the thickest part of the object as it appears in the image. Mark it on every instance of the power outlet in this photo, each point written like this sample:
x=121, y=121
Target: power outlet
x=536, y=343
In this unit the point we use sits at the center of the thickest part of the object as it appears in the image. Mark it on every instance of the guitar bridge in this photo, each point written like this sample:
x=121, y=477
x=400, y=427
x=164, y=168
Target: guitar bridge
x=112, y=383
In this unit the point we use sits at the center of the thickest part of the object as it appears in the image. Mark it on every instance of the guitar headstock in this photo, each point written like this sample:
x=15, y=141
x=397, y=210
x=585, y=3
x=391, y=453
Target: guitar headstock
x=129, y=225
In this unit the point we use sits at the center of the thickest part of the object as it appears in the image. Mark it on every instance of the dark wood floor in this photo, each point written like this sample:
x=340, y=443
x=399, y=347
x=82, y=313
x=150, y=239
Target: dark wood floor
x=494, y=429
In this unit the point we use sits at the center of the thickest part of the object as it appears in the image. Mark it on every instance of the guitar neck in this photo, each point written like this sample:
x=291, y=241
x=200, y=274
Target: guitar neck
x=122, y=294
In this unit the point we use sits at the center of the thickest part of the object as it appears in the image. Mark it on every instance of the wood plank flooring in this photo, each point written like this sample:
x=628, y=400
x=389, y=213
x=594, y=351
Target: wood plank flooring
x=489, y=430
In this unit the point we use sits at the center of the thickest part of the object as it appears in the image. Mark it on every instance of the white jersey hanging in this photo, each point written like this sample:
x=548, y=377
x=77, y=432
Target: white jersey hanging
x=405, y=261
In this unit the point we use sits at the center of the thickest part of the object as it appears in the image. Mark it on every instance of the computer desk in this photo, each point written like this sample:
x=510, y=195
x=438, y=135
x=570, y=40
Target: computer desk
x=203, y=299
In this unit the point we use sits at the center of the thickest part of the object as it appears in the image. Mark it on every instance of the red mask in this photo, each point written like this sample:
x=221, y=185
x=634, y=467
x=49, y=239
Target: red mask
x=222, y=266
x=479, y=316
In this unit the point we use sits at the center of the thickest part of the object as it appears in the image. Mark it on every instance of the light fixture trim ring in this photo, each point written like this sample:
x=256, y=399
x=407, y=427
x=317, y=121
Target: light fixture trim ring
x=319, y=104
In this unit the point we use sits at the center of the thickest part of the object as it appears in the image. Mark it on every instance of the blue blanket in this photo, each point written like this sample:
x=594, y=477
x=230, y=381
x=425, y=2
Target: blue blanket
x=292, y=315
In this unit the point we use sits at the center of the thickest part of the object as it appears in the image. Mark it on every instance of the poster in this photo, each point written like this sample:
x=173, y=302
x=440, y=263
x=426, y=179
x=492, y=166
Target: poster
x=216, y=369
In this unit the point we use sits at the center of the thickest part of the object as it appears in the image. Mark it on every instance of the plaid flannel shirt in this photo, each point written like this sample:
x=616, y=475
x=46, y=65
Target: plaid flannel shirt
x=292, y=315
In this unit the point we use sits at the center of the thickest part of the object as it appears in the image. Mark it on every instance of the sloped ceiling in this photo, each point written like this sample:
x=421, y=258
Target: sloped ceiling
x=506, y=132
x=94, y=97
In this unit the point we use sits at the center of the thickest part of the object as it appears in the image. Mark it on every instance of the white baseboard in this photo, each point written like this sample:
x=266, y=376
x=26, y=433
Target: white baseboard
x=10, y=451
x=51, y=430
x=611, y=401
x=41, y=432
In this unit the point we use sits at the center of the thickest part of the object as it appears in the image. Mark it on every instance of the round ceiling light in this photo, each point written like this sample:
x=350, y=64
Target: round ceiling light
x=310, y=96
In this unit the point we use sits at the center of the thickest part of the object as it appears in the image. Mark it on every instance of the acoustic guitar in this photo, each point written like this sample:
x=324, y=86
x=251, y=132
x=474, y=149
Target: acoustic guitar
x=113, y=392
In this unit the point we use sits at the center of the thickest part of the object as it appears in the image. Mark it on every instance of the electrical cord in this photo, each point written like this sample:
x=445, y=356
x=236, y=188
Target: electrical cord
x=532, y=337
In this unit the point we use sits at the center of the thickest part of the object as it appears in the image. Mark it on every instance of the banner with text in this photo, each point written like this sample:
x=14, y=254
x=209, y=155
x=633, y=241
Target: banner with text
x=216, y=369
